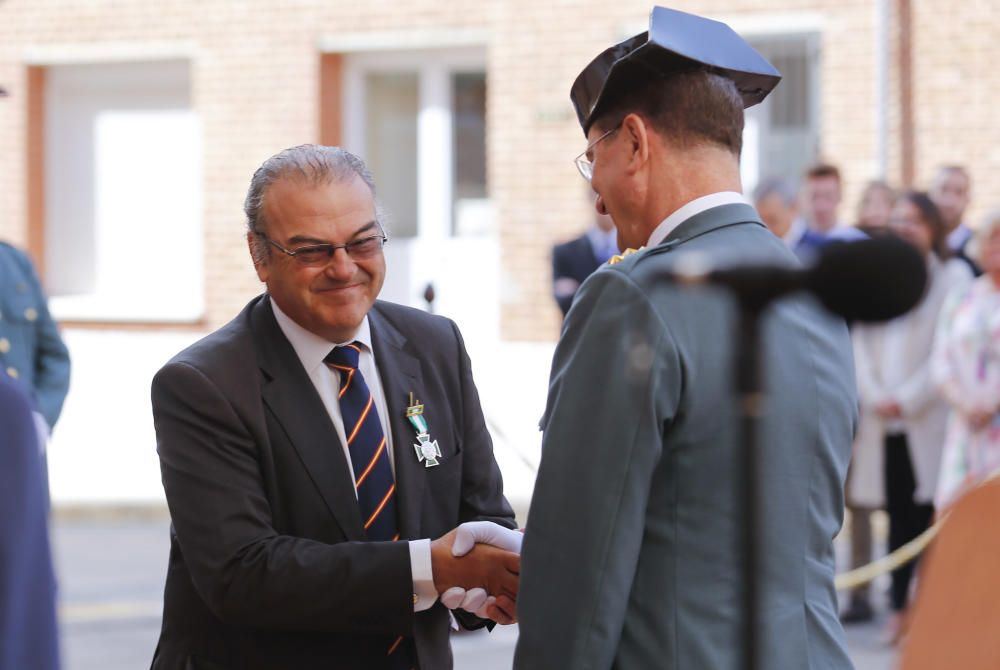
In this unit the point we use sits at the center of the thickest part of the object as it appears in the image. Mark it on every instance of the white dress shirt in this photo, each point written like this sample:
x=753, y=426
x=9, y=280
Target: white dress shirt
x=311, y=350
x=696, y=206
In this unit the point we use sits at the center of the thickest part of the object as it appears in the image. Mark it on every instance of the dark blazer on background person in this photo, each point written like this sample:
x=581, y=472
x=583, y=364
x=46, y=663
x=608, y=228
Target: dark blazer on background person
x=808, y=247
x=960, y=253
x=28, y=633
x=269, y=567
x=573, y=260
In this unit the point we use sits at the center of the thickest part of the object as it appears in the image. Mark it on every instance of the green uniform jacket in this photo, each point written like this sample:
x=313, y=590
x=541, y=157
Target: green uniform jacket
x=30, y=346
x=632, y=551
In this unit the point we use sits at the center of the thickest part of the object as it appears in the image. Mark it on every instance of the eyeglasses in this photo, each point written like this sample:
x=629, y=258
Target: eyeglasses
x=315, y=255
x=583, y=163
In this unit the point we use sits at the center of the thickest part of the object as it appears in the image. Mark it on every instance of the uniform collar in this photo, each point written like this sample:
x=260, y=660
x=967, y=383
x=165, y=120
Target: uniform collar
x=696, y=206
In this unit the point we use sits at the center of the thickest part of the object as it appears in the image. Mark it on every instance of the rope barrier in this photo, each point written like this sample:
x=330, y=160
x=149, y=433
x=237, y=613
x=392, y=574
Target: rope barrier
x=900, y=557
x=888, y=563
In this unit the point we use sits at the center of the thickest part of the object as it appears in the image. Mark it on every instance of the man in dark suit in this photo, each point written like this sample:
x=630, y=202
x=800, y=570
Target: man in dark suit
x=639, y=437
x=311, y=447
x=950, y=189
x=574, y=261
x=28, y=634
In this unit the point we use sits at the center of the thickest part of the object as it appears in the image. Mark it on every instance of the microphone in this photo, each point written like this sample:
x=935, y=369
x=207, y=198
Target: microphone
x=868, y=280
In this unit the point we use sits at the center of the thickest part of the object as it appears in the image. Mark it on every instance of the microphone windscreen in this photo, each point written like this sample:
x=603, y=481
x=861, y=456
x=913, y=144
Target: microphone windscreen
x=869, y=280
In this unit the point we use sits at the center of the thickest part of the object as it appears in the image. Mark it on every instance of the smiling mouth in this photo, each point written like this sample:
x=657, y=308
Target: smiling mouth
x=333, y=289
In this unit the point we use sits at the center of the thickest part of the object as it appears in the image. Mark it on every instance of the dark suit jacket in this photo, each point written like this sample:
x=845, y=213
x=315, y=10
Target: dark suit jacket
x=960, y=253
x=572, y=260
x=269, y=567
x=28, y=637
x=808, y=247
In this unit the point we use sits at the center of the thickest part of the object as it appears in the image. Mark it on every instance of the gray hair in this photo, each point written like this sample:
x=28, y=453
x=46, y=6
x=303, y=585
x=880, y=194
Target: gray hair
x=779, y=186
x=313, y=164
x=954, y=169
x=988, y=226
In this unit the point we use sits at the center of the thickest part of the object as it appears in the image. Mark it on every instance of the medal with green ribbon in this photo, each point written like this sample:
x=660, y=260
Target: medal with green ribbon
x=428, y=451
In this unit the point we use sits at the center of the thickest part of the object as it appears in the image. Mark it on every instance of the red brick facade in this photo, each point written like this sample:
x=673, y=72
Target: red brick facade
x=259, y=81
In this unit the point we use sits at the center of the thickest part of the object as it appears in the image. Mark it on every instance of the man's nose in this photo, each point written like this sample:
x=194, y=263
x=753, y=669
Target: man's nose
x=341, y=266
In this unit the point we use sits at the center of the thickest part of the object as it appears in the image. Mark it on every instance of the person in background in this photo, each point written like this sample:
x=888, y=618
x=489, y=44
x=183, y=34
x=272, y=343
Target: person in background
x=897, y=451
x=821, y=197
x=574, y=261
x=967, y=369
x=28, y=632
x=818, y=222
x=776, y=200
x=874, y=208
x=951, y=190
x=31, y=349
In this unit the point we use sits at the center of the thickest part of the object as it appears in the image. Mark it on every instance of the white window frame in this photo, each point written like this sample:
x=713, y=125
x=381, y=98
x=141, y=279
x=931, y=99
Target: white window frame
x=435, y=170
x=100, y=306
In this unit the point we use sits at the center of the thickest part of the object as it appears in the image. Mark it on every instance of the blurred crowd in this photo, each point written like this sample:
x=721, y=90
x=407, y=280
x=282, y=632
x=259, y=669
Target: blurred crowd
x=929, y=381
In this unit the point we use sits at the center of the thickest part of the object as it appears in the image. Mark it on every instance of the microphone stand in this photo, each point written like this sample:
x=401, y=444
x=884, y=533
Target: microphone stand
x=842, y=272
x=754, y=289
x=751, y=405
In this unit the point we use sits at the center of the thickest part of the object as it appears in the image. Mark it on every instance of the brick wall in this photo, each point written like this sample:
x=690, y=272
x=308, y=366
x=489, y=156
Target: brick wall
x=957, y=94
x=255, y=78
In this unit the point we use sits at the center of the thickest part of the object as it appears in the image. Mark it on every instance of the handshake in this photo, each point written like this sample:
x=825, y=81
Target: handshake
x=476, y=568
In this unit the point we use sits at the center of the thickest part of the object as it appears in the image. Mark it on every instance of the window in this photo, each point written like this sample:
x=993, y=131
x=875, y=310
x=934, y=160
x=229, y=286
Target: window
x=122, y=193
x=470, y=207
x=418, y=118
x=782, y=133
x=392, y=101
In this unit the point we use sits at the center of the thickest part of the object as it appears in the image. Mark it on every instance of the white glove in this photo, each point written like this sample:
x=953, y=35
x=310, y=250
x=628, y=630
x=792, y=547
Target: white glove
x=476, y=600
x=458, y=598
x=485, y=532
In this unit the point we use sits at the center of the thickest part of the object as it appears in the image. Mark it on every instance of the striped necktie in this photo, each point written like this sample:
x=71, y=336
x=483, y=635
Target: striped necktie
x=373, y=478
x=374, y=483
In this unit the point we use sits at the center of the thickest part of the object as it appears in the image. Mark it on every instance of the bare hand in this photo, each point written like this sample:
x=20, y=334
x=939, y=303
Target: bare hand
x=503, y=611
x=485, y=566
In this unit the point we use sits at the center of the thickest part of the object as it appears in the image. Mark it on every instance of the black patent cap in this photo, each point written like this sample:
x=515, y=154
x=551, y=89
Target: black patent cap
x=675, y=41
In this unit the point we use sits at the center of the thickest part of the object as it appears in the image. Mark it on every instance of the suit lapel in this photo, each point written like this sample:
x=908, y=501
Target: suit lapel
x=399, y=371
x=289, y=394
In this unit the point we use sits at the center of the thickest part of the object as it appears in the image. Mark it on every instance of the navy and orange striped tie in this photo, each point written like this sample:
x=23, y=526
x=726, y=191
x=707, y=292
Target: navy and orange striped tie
x=373, y=478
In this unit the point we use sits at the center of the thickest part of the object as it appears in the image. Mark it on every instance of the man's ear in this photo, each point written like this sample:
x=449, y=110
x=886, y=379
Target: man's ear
x=259, y=256
x=637, y=135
